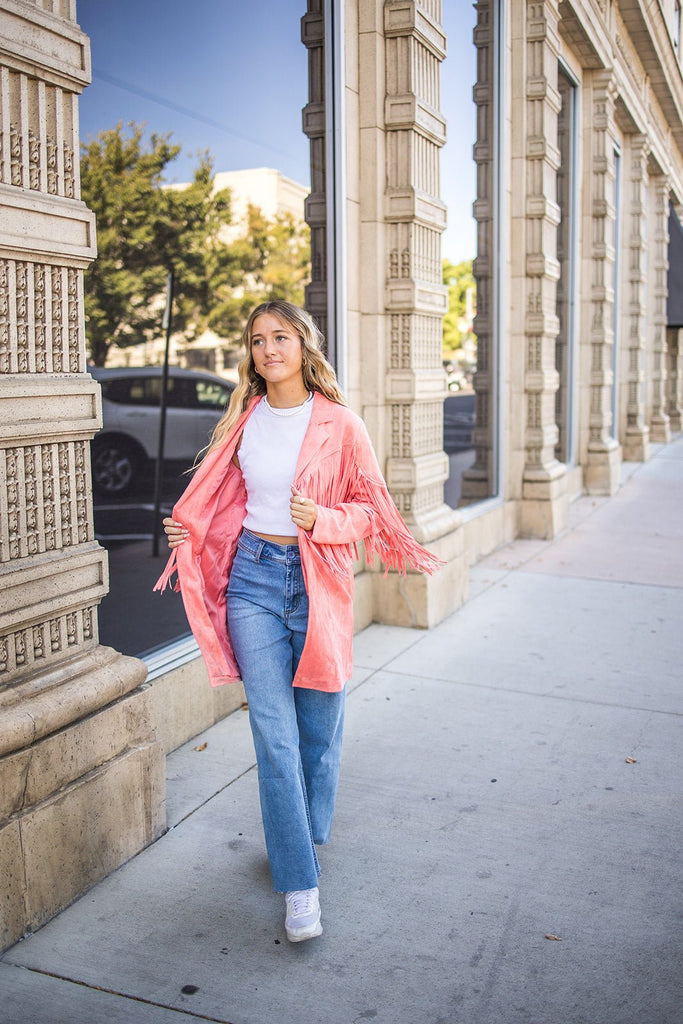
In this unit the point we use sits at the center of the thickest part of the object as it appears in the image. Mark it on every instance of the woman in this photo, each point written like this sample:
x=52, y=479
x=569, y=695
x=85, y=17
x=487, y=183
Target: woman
x=263, y=541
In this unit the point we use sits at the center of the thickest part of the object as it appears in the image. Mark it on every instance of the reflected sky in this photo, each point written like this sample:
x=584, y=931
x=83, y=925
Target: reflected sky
x=231, y=76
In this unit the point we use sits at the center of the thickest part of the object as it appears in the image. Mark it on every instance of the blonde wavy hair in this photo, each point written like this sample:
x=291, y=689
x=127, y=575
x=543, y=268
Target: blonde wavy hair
x=318, y=374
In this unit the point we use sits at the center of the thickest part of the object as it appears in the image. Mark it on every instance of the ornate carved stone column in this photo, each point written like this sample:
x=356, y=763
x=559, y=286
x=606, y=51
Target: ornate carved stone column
x=660, y=427
x=81, y=773
x=415, y=297
x=635, y=442
x=544, y=502
x=603, y=455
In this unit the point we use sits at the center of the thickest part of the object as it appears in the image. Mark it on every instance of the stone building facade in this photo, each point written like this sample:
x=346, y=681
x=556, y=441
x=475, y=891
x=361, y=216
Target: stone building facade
x=579, y=168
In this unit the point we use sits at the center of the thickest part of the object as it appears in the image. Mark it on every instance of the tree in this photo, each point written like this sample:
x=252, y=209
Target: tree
x=459, y=279
x=271, y=260
x=142, y=229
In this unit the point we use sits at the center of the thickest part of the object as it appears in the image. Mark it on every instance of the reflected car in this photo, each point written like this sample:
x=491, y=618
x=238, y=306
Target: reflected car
x=129, y=437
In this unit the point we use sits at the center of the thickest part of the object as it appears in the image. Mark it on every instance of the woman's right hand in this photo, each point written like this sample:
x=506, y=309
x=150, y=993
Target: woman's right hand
x=175, y=532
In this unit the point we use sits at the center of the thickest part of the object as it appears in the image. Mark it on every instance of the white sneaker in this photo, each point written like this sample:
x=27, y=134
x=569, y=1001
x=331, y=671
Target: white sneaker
x=303, y=915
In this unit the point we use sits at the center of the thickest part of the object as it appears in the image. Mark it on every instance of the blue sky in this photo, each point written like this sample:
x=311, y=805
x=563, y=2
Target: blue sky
x=231, y=77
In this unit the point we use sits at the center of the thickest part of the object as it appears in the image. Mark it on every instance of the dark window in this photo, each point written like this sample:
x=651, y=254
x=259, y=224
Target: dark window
x=212, y=395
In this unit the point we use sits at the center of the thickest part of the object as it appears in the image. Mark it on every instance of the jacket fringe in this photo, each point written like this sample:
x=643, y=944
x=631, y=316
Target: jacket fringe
x=165, y=578
x=389, y=538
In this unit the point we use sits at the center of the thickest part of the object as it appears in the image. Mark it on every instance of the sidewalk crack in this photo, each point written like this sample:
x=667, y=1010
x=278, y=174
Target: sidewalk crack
x=192, y=1014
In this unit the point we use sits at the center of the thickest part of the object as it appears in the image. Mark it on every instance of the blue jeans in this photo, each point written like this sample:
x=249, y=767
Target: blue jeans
x=297, y=732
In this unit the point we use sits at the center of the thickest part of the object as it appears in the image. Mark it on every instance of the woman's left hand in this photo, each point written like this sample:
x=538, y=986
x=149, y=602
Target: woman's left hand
x=304, y=511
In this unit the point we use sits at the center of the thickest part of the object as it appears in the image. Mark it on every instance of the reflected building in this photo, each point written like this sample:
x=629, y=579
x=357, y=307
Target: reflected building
x=578, y=154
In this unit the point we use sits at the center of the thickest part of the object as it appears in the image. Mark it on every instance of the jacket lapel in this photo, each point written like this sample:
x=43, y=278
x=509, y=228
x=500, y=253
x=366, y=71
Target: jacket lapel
x=318, y=434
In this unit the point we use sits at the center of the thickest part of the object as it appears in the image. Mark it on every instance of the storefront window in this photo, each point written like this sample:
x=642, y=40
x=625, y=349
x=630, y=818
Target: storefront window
x=472, y=244
x=229, y=81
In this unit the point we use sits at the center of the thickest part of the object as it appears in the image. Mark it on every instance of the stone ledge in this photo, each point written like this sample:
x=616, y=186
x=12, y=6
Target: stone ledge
x=35, y=41
x=77, y=687
x=34, y=226
x=33, y=407
x=53, y=582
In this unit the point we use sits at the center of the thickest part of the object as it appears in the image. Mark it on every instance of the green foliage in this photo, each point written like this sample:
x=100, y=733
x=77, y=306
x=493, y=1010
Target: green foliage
x=459, y=279
x=270, y=261
x=121, y=183
x=144, y=228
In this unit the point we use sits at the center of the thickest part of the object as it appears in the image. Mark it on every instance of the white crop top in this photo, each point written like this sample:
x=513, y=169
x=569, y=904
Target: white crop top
x=268, y=454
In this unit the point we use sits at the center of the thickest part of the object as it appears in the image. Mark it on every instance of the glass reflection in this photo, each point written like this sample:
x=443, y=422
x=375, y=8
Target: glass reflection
x=227, y=210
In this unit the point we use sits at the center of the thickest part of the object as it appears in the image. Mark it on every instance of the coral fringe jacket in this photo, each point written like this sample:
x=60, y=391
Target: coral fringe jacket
x=338, y=469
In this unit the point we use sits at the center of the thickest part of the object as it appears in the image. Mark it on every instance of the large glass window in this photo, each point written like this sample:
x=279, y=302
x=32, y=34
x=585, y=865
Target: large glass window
x=459, y=243
x=230, y=79
x=472, y=85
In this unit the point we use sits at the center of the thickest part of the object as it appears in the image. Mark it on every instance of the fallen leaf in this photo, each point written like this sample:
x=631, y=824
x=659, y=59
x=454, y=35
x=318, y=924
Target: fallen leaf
x=203, y=746
x=631, y=760
x=554, y=938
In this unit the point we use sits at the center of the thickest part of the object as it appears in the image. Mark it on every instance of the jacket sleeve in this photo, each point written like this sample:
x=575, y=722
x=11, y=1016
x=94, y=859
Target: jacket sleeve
x=369, y=514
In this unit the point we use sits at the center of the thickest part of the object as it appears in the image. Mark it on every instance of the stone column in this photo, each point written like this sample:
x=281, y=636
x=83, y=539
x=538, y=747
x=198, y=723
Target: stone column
x=544, y=501
x=415, y=298
x=635, y=441
x=81, y=772
x=660, y=427
x=603, y=454
x=478, y=480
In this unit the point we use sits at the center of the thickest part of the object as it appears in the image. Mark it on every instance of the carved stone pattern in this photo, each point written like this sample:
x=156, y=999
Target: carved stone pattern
x=427, y=350
x=542, y=108
x=45, y=511
x=16, y=154
x=660, y=266
x=52, y=177
x=5, y=364
x=22, y=305
x=49, y=502
x=57, y=330
x=44, y=643
x=12, y=546
x=32, y=322
x=65, y=493
x=635, y=407
x=413, y=246
x=603, y=175
x=88, y=616
x=74, y=322
x=80, y=466
x=39, y=318
x=69, y=177
x=39, y=647
x=33, y=160
x=33, y=530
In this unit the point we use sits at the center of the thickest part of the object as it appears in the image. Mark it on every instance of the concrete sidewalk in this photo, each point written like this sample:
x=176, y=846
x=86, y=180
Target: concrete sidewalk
x=511, y=775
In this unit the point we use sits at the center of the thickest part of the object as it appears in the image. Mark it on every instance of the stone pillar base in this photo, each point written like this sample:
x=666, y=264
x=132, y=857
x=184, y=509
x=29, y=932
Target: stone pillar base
x=544, y=508
x=636, y=446
x=76, y=803
x=660, y=430
x=423, y=601
x=602, y=473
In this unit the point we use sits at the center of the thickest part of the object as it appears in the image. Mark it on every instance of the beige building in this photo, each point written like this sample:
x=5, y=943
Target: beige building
x=579, y=169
